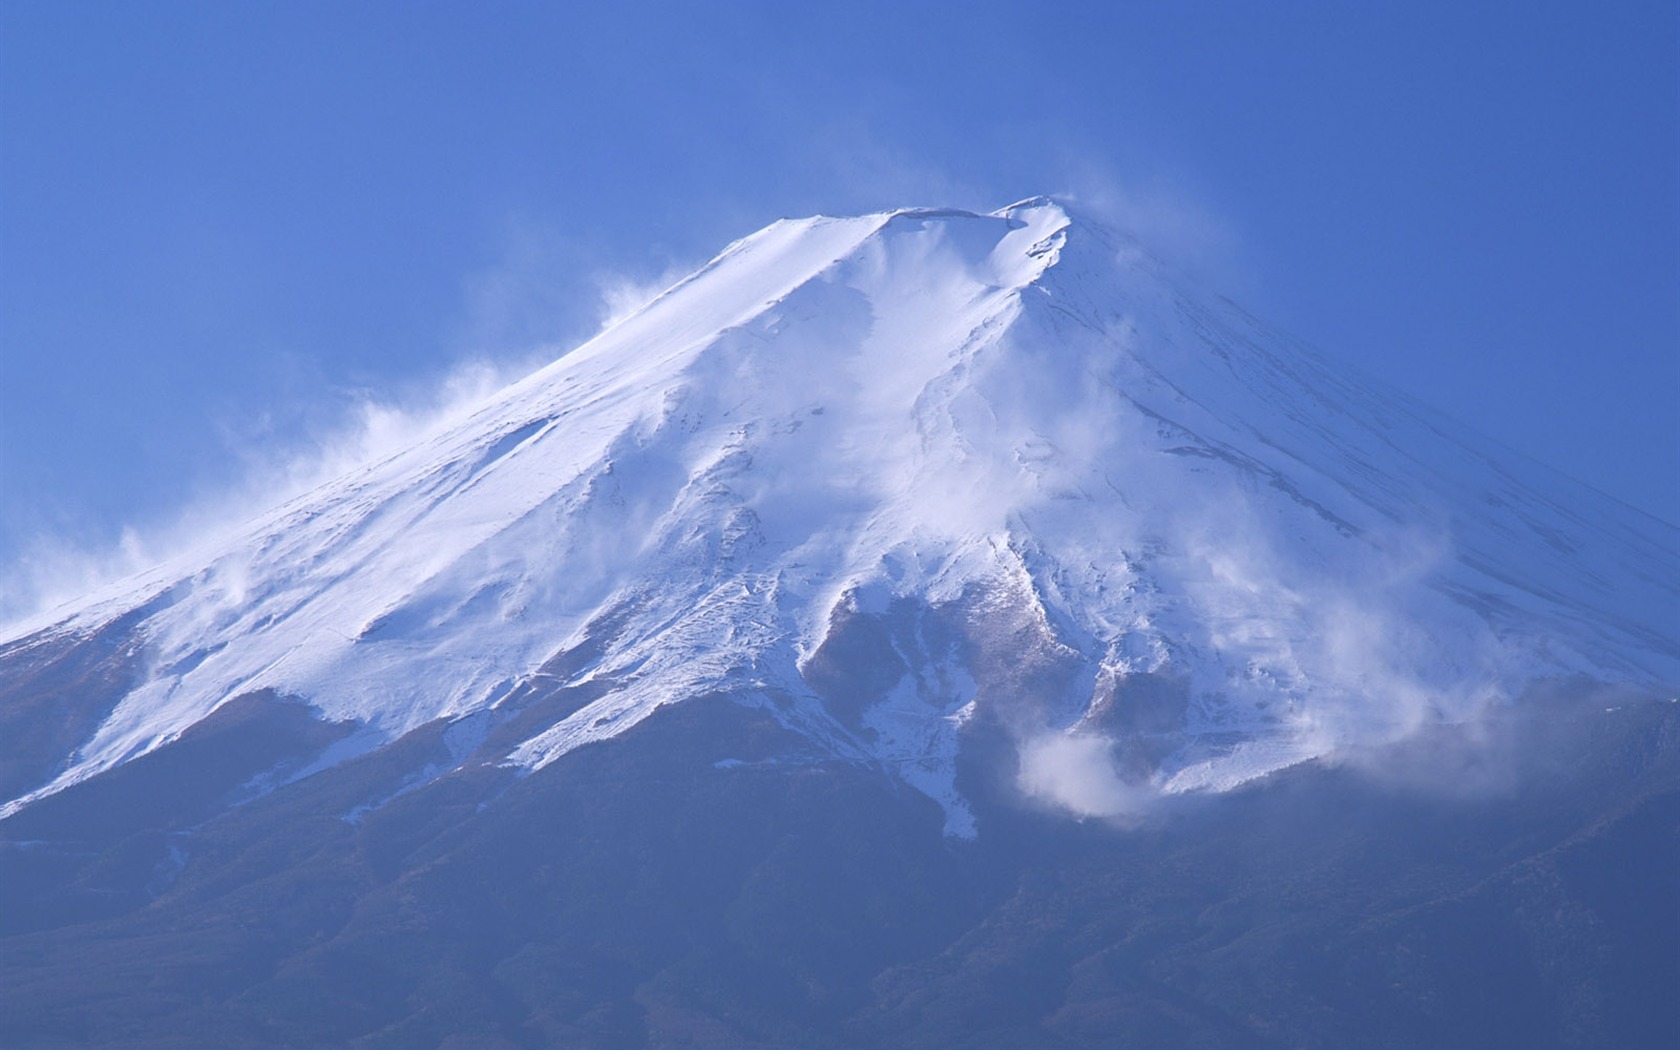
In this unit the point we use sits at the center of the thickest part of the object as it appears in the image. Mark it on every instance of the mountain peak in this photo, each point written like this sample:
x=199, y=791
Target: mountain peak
x=882, y=477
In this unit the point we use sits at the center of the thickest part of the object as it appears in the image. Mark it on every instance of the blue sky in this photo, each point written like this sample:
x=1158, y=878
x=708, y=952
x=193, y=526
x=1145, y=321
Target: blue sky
x=225, y=228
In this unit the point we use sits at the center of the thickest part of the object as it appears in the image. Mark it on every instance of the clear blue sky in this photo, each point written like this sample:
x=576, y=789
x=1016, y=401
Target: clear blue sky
x=222, y=224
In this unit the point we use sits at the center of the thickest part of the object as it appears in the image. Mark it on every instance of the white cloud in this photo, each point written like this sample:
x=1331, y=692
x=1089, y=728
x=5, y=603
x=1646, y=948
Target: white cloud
x=1075, y=771
x=624, y=294
x=535, y=294
x=544, y=295
x=53, y=568
x=1169, y=222
x=860, y=172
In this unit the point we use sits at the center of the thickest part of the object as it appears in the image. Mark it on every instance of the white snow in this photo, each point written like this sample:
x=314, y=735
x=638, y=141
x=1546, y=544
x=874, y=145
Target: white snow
x=935, y=405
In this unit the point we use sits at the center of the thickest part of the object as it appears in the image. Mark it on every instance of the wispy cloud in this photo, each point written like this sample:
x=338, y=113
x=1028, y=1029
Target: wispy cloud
x=1168, y=220
x=52, y=568
x=858, y=171
x=533, y=294
x=1076, y=772
x=544, y=294
x=1344, y=649
x=623, y=294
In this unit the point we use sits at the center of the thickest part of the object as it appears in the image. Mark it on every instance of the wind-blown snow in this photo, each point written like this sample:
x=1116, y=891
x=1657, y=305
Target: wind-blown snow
x=1017, y=408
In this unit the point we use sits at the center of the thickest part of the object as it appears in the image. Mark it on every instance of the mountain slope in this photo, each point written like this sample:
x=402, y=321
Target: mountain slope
x=636, y=895
x=629, y=708
x=877, y=476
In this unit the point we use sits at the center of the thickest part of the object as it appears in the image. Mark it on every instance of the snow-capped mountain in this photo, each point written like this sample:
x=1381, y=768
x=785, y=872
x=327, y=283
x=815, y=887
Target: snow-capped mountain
x=879, y=477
